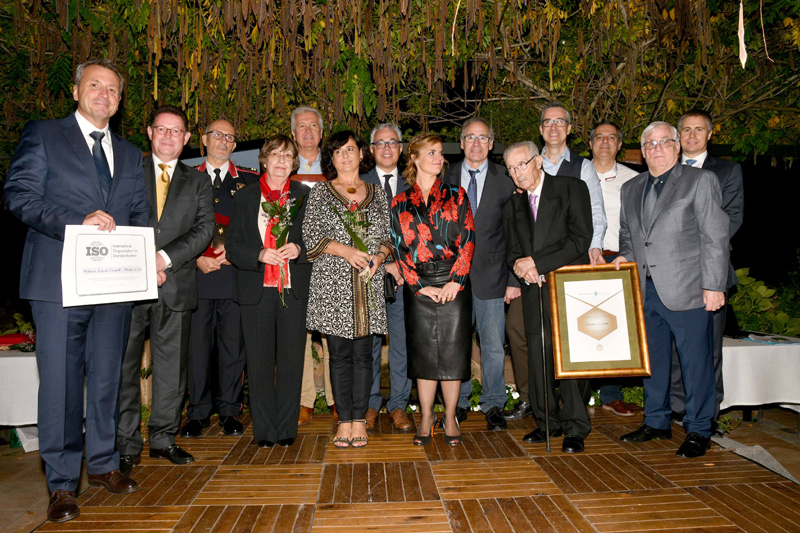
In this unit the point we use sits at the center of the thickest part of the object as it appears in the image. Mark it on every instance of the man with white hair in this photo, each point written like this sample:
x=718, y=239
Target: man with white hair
x=673, y=225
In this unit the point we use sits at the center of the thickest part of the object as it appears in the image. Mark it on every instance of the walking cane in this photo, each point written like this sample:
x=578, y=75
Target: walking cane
x=544, y=373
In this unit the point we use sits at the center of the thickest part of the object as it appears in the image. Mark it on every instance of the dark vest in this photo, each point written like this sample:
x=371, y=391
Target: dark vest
x=572, y=167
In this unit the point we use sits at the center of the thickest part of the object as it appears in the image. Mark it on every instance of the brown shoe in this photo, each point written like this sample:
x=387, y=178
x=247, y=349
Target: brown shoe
x=618, y=407
x=305, y=415
x=62, y=506
x=114, y=482
x=400, y=420
x=372, y=415
x=335, y=413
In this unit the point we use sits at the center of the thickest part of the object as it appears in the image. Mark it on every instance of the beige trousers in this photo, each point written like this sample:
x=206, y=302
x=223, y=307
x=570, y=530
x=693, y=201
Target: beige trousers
x=308, y=393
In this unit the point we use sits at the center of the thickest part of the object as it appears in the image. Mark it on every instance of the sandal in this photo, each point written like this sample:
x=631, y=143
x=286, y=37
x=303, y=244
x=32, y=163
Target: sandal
x=424, y=440
x=342, y=442
x=453, y=440
x=359, y=442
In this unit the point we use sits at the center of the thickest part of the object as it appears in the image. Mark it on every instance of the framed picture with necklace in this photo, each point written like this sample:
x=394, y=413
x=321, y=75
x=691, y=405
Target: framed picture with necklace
x=598, y=322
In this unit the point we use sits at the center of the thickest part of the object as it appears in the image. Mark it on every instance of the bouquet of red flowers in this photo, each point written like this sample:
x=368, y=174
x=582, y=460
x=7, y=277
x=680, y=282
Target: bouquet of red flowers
x=280, y=210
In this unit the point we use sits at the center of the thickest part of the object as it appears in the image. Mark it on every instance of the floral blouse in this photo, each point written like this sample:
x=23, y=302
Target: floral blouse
x=441, y=229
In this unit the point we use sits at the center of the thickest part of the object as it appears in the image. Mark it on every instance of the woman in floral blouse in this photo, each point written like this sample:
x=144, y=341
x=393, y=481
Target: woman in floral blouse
x=346, y=299
x=433, y=236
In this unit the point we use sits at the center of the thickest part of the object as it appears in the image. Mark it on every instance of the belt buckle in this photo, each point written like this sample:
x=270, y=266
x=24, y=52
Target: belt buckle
x=428, y=268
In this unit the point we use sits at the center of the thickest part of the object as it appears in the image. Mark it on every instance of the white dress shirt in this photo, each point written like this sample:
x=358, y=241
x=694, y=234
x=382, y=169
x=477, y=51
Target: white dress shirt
x=480, y=178
x=108, y=148
x=611, y=182
x=698, y=159
x=223, y=171
x=392, y=181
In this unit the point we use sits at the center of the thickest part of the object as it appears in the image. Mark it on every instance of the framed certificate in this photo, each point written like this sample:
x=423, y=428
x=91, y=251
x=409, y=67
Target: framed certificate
x=598, y=322
x=100, y=267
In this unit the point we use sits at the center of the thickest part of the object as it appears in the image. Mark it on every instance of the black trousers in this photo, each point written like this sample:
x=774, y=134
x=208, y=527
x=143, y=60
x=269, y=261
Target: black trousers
x=215, y=322
x=351, y=375
x=518, y=346
x=275, y=341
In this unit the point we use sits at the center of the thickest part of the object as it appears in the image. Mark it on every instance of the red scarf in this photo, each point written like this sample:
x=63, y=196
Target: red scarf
x=272, y=273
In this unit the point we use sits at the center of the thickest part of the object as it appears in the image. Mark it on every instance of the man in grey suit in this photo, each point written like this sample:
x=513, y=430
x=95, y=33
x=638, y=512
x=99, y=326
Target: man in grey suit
x=386, y=146
x=673, y=225
x=488, y=188
x=695, y=129
x=182, y=215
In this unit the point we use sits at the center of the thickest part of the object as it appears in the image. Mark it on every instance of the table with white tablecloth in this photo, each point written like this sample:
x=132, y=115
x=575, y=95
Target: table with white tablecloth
x=19, y=395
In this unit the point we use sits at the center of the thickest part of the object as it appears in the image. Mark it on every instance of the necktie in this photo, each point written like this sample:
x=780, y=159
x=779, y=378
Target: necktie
x=388, y=188
x=472, y=190
x=217, y=179
x=162, y=187
x=100, y=161
x=690, y=162
x=650, y=202
x=532, y=200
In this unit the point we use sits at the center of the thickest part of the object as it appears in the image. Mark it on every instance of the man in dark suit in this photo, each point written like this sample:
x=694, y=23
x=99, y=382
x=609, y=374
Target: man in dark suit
x=216, y=320
x=386, y=146
x=488, y=188
x=695, y=129
x=673, y=225
x=547, y=226
x=183, y=217
x=76, y=171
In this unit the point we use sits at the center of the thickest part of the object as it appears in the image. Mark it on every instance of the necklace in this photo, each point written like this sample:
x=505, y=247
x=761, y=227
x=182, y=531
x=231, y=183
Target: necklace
x=351, y=189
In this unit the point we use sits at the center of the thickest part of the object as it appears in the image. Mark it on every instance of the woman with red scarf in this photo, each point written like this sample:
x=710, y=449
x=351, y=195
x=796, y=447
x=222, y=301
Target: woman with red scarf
x=265, y=242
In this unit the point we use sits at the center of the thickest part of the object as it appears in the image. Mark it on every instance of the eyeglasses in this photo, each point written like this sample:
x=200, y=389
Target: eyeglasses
x=665, y=143
x=557, y=122
x=218, y=135
x=483, y=139
x=173, y=132
x=380, y=145
x=288, y=156
x=521, y=167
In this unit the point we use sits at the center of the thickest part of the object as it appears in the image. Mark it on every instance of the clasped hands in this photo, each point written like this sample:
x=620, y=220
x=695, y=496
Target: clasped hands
x=525, y=269
x=442, y=295
x=287, y=252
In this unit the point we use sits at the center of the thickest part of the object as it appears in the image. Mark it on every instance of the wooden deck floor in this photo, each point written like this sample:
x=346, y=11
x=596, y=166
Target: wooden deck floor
x=492, y=483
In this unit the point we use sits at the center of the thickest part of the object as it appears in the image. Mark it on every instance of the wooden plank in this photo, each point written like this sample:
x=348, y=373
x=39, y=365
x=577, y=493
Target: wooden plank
x=728, y=504
x=266, y=520
x=410, y=482
x=247, y=519
x=344, y=484
x=228, y=518
x=189, y=519
x=360, y=490
x=328, y=484
x=535, y=515
x=377, y=482
x=395, y=517
x=495, y=515
x=475, y=516
x=394, y=483
x=456, y=516
x=427, y=482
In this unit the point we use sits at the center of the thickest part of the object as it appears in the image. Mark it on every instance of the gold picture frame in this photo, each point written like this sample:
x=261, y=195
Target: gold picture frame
x=598, y=322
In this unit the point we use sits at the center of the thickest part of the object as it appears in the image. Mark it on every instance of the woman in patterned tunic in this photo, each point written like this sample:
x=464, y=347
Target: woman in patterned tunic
x=433, y=236
x=346, y=298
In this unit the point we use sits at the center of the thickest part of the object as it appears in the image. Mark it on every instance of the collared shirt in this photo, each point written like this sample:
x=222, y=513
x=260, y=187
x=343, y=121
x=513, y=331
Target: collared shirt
x=310, y=167
x=589, y=176
x=223, y=170
x=611, y=183
x=392, y=181
x=698, y=159
x=170, y=172
x=108, y=148
x=538, y=192
x=480, y=177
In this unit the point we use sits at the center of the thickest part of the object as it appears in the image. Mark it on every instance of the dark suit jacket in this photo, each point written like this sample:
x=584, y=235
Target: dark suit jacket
x=560, y=236
x=244, y=244
x=52, y=182
x=732, y=185
x=184, y=230
x=221, y=284
x=489, y=275
x=373, y=176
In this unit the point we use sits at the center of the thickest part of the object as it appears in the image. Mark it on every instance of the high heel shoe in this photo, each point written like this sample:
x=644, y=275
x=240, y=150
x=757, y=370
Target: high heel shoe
x=453, y=440
x=359, y=442
x=424, y=440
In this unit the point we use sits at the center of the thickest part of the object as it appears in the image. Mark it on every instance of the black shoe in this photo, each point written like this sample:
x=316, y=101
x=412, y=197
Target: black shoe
x=572, y=444
x=495, y=420
x=265, y=444
x=522, y=410
x=537, y=435
x=695, y=445
x=194, y=428
x=231, y=426
x=174, y=453
x=646, y=433
x=461, y=415
x=286, y=442
x=126, y=463
x=675, y=416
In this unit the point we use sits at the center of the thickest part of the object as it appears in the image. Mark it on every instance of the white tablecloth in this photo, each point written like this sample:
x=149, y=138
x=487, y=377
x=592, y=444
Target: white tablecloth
x=19, y=388
x=758, y=374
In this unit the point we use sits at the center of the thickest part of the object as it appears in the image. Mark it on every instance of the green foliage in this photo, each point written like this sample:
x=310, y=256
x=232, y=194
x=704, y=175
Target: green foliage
x=321, y=404
x=759, y=308
x=633, y=395
x=726, y=424
x=143, y=421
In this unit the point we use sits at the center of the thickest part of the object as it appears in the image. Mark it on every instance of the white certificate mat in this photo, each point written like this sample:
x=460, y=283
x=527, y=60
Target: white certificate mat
x=100, y=267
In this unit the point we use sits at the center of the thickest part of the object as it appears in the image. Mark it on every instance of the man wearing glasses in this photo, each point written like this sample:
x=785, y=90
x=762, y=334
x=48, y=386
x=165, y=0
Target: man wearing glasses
x=559, y=160
x=386, y=146
x=216, y=319
x=672, y=224
x=182, y=215
x=488, y=188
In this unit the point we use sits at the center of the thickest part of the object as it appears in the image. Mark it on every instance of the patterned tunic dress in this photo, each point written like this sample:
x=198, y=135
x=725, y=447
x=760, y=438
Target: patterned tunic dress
x=441, y=229
x=339, y=302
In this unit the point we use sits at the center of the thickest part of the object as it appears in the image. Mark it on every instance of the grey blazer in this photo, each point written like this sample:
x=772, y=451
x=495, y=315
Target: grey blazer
x=732, y=184
x=687, y=243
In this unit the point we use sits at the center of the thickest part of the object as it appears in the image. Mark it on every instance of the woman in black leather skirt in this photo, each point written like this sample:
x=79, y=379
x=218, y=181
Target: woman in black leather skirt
x=434, y=238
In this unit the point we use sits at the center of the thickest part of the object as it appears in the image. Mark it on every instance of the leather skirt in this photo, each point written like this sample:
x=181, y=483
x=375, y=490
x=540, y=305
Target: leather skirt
x=438, y=337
